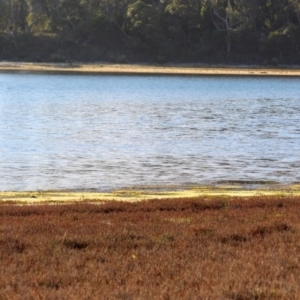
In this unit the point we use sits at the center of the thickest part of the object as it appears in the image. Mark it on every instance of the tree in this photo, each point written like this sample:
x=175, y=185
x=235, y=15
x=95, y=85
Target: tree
x=184, y=21
x=225, y=18
x=296, y=6
x=16, y=12
x=144, y=23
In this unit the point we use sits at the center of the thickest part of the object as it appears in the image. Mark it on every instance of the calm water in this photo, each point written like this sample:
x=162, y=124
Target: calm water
x=107, y=132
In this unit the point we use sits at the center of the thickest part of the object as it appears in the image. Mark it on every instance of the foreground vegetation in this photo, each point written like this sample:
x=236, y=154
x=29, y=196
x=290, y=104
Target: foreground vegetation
x=205, y=248
x=207, y=31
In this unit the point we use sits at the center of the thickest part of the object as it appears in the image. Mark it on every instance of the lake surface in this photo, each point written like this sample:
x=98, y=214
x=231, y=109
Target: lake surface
x=108, y=132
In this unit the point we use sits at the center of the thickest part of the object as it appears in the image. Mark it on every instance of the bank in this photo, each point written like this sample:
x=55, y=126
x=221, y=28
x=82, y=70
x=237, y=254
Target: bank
x=144, y=69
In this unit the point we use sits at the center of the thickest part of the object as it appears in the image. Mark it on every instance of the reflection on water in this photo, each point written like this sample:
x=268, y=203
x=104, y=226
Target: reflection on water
x=106, y=132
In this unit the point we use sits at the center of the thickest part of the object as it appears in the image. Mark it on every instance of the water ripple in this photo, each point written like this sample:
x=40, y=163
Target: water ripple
x=106, y=132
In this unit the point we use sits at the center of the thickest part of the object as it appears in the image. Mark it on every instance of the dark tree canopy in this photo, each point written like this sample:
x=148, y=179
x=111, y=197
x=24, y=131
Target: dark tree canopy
x=158, y=31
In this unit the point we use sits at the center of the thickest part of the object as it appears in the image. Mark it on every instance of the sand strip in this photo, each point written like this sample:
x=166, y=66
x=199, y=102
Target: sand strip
x=130, y=69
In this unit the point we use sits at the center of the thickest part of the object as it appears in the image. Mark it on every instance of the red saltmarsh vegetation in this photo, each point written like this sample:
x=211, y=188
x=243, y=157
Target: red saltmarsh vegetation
x=161, y=249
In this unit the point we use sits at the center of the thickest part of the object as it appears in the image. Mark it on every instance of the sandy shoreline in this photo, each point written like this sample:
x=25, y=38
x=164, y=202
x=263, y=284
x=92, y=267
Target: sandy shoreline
x=130, y=69
x=133, y=195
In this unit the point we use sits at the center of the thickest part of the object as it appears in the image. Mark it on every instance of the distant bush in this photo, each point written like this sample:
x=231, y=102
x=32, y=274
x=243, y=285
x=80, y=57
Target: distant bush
x=56, y=57
x=121, y=59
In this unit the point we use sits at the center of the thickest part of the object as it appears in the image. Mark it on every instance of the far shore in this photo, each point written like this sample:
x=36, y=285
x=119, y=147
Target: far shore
x=143, y=194
x=144, y=69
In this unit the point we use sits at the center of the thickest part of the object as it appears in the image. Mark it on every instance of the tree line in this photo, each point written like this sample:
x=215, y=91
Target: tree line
x=158, y=31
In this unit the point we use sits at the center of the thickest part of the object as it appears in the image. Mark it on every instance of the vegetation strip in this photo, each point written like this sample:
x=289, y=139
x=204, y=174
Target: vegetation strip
x=148, y=193
x=225, y=248
x=215, y=31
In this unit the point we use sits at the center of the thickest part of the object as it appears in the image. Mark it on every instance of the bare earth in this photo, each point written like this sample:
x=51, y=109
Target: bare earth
x=128, y=69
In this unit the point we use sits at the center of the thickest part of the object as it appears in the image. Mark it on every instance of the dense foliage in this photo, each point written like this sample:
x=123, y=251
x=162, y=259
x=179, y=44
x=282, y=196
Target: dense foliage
x=224, y=248
x=203, y=31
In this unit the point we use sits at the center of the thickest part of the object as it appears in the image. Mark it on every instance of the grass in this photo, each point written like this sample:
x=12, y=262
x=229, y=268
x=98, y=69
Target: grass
x=199, y=248
x=224, y=189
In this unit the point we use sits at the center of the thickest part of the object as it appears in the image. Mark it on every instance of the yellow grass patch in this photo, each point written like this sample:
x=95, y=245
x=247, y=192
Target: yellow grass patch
x=133, y=195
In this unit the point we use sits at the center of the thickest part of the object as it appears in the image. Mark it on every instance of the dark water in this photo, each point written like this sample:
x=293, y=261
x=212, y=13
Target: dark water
x=106, y=132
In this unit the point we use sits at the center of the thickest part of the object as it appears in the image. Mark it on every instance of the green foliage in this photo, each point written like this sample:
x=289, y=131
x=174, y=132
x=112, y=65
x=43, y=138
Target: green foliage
x=154, y=30
x=143, y=23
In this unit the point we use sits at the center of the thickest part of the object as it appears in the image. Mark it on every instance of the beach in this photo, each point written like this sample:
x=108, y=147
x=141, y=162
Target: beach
x=144, y=69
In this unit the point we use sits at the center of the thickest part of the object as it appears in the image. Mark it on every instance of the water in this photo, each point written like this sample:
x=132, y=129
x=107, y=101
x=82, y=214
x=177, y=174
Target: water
x=108, y=132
